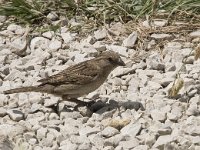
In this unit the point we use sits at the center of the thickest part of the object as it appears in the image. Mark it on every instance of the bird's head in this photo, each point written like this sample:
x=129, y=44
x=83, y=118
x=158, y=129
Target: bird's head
x=111, y=58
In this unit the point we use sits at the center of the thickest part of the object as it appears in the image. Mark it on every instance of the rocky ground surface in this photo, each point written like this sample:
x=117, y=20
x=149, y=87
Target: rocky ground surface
x=132, y=109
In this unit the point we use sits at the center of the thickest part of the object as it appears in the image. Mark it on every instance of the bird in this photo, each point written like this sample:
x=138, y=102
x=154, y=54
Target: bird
x=77, y=80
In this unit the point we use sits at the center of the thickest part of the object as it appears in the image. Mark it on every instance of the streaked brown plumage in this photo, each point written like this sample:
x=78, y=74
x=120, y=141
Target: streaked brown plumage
x=79, y=79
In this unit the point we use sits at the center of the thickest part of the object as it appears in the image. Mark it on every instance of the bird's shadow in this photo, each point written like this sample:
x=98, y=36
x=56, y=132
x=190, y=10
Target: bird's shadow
x=101, y=107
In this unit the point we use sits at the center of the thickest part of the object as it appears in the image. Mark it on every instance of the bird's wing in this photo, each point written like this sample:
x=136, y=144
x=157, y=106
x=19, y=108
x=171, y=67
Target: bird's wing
x=79, y=74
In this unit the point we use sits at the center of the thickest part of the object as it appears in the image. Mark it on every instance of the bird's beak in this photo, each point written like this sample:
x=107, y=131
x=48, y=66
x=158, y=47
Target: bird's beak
x=121, y=63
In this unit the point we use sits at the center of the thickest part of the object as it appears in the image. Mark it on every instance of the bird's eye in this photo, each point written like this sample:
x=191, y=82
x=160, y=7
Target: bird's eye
x=110, y=59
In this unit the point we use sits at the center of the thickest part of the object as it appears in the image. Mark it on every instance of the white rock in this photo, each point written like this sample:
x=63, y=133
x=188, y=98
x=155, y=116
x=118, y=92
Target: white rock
x=15, y=114
x=119, y=49
x=53, y=16
x=109, y=131
x=165, y=131
x=41, y=133
x=2, y=112
x=12, y=130
x=18, y=45
x=74, y=115
x=129, y=144
x=160, y=22
x=97, y=140
x=33, y=141
x=13, y=27
x=193, y=110
x=195, y=33
x=99, y=46
x=5, y=143
x=51, y=101
x=114, y=140
x=166, y=81
x=67, y=145
x=2, y=19
x=161, y=36
x=55, y=44
x=86, y=131
x=162, y=141
x=85, y=146
x=131, y=129
x=48, y=140
x=141, y=147
x=158, y=115
x=39, y=42
x=130, y=41
x=35, y=107
x=100, y=34
x=48, y=34
x=155, y=62
x=67, y=37
x=108, y=148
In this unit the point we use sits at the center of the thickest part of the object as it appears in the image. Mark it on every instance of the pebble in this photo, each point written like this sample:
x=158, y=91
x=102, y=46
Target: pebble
x=132, y=109
x=15, y=114
x=130, y=40
x=100, y=34
x=109, y=132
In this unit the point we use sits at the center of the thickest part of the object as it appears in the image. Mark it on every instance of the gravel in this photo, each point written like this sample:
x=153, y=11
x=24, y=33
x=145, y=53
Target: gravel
x=133, y=110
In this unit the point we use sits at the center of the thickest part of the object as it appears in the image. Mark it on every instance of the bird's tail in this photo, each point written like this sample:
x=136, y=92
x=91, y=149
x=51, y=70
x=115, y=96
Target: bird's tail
x=22, y=89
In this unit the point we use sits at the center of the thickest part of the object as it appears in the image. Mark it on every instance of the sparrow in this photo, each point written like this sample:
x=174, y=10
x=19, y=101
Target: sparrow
x=77, y=80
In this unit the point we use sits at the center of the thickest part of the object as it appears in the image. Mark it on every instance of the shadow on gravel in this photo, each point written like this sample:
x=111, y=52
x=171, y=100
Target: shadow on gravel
x=101, y=107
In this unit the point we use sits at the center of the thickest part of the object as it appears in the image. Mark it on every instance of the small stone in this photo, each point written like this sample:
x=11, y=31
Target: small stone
x=114, y=140
x=193, y=110
x=39, y=42
x=5, y=143
x=161, y=36
x=99, y=46
x=2, y=112
x=35, y=107
x=67, y=145
x=119, y=49
x=67, y=37
x=109, y=148
x=172, y=116
x=73, y=115
x=48, y=140
x=162, y=141
x=52, y=16
x=2, y=19
x=19, y=45
x=85, y=111
x=195, y=34
x=166, y=81
x=131, y=129
x=86, y=131
x=55, y=44
x=158, y=115
x=48, y=34
x=129, y=144
x=13, y=27
x=85, y=146
x=33, y=141
x=155, y=62
x=130, y=41
x=141, y=147
x=50, y=102
x=109, y=131
x=165, y=131
x=41, y=133
x=100, y=34
x=15, y=114
x=160, y=22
